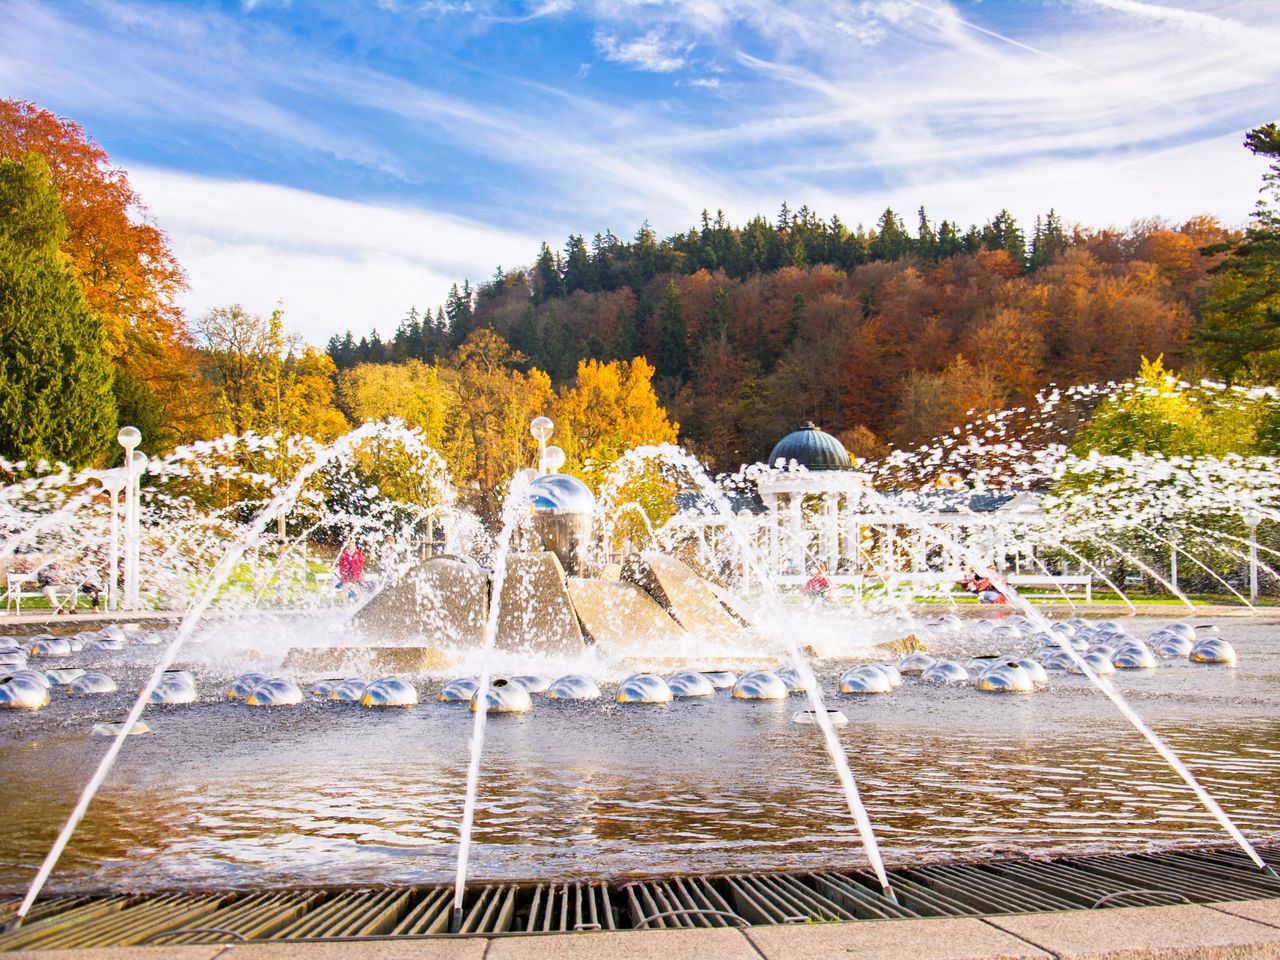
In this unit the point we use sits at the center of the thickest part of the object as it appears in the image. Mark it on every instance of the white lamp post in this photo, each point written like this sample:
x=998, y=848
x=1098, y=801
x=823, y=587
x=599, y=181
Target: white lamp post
x=552, y=459
x=1251, y=519
x=541, y=428
x=113, y=481
x=129, y=438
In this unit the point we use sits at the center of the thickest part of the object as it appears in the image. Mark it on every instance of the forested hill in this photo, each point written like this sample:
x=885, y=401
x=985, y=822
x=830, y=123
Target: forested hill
x=882, y=336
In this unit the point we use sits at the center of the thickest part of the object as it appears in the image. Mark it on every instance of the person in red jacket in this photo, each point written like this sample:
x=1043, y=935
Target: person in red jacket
x=351, y=568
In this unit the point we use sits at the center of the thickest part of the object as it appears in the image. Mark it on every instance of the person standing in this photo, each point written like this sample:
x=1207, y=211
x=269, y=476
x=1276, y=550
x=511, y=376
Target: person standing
x=351, y=568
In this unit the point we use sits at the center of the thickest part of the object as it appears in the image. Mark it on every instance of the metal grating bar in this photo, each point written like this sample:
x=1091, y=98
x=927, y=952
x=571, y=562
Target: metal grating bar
x=982, y=891
x=951, y=889
x=429, y=915
x=253, y=917
x=118, y=927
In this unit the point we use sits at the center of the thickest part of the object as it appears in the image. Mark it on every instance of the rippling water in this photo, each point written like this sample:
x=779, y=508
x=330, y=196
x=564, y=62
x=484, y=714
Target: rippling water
x=223, y=794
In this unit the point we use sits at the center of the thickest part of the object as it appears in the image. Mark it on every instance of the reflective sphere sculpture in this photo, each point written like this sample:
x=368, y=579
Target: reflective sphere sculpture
x=35, y=676
x=349, y=690
x=1033, y=667
x=1055, y=660
x=389, y=692
x=1180, y=629
x=113, y=729
x=890, y=671
x=1213, y=650
x=1172, y=645
x=865, y=680
x=275, y=693
x=1100, y=663
x=534, y=683
x=322, y=688
x=504, y=697
x=690, y=684
x=1008, y=676
x=573, y=687
x=945, y=672
x=245, y=684
x=721, y=679
x=643, y=688
x=91, y=684
x=458, y=691
x=760, y=685
x=9, y=643
x=101, y=642
x=915, y=664
x=837, y=718
x=1133, y=656
x=50, y=647
x=1103, y=649
x=791, y=677
x=23, y=693
x=60, y=678
x=114, y=631
x=175, y=687
x=11, y=659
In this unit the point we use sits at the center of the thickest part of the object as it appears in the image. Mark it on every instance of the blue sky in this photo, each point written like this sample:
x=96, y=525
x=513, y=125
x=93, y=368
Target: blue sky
x=353, y=158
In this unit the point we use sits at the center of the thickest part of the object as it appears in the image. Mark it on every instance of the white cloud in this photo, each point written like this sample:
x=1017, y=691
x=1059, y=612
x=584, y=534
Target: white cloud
x=651, y=51
x=334, y=263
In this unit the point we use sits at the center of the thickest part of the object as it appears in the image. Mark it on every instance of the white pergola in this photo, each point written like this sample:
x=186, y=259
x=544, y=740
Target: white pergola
x=817, y=505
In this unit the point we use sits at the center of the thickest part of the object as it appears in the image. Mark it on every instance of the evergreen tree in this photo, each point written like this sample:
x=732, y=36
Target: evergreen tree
x=579, y=273
x=1239, y=332
x=644, y=260
x=1049, y=242
x=673, y=343
x=56, y=385
x=524, y=337
x=926, y=240
x=718, y=327
x=624, y=344
x=892, y=240
x=458, y=310
x=949, y=240
x=796, y=323
x=1003, y=233
x=548, y=281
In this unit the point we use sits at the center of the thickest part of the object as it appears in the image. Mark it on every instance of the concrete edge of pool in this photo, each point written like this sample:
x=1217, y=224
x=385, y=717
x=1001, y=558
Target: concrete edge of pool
x=1211, y=931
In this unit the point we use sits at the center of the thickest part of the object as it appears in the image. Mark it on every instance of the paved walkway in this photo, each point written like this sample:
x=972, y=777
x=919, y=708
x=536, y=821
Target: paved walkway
x=1225, y=931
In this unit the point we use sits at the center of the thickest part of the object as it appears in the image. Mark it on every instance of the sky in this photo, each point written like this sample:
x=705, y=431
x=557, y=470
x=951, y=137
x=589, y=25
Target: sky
x=352, y=159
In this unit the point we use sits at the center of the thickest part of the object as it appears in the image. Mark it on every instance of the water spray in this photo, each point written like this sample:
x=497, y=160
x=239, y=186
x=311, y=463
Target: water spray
x=1108, y=689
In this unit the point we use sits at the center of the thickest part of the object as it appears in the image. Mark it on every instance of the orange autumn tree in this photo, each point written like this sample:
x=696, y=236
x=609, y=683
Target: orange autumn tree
x=129, y=276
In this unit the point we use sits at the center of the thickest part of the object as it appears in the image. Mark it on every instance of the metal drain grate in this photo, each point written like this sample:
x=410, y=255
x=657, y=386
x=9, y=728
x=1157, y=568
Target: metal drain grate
x=933, y=890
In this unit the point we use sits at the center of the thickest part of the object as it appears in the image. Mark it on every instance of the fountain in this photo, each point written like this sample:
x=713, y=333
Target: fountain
x=569, y=634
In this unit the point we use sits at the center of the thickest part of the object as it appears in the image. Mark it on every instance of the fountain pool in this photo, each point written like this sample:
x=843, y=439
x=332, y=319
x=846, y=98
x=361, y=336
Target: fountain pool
x=228, y=795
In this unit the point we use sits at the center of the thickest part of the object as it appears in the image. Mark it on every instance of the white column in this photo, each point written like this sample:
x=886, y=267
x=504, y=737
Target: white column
x=833, y=531
x=796, y=506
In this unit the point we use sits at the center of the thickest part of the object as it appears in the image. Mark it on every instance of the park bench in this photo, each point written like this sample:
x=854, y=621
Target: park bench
x=20, y=586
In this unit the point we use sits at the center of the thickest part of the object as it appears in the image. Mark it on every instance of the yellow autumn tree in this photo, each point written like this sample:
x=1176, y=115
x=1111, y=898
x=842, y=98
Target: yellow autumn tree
x=411, y=391
x=486, y=438
x=610, y=408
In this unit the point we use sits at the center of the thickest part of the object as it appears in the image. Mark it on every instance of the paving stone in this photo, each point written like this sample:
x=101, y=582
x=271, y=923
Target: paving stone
x=719, y=944
x=127, y=953
x=1137, y=933
x=1263, y=911
x=943, y=939
x=463, y=948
